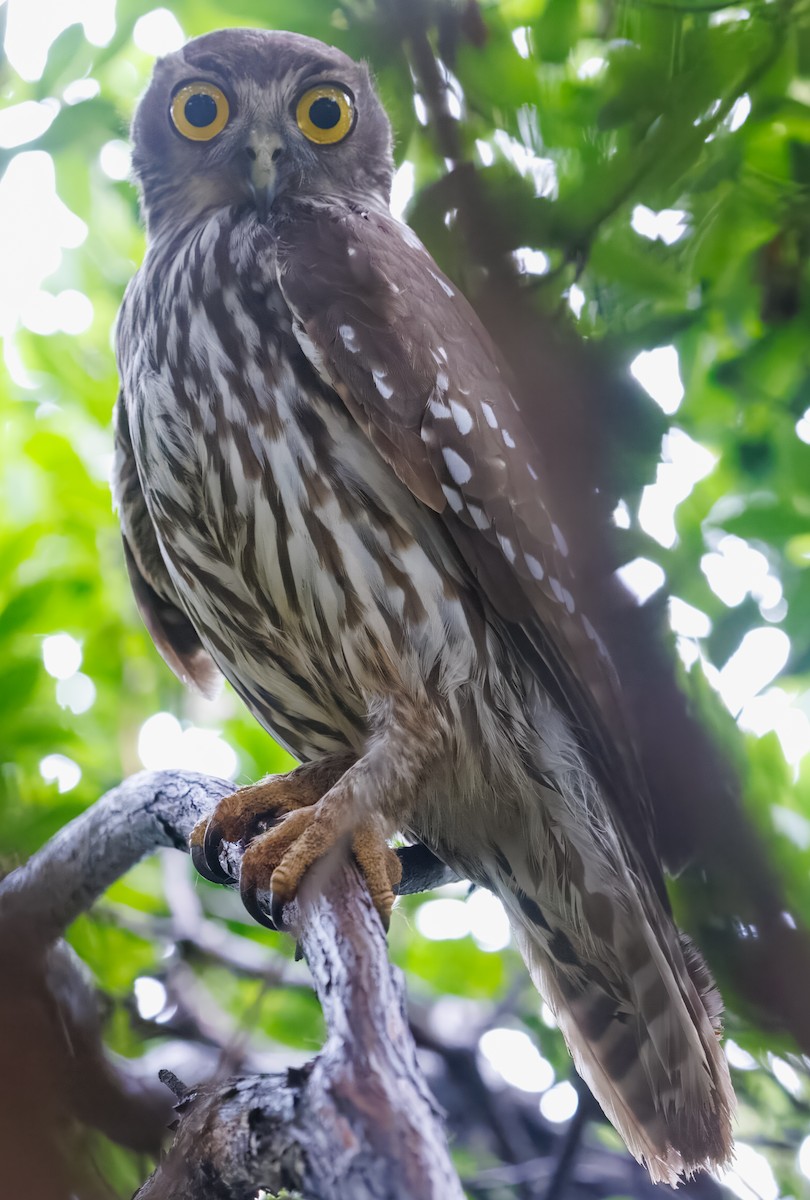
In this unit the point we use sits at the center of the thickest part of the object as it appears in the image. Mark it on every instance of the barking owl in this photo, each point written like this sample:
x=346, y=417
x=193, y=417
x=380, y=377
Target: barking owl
x=329, y=495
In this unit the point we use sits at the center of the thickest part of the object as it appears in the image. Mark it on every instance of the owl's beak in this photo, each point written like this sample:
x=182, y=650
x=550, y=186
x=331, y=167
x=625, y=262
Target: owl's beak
x=263, y=151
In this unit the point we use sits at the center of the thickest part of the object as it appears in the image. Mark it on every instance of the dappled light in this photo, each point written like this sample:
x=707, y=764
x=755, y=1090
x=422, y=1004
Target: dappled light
x=559, y=1103
x=644, y=174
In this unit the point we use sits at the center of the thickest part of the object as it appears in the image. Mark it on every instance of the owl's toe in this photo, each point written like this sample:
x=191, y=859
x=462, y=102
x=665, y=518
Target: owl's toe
x=380, y=866
x=323, y=835
x=257, y=884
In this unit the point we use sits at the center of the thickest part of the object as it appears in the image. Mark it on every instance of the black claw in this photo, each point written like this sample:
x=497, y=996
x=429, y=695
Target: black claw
x=212, y=844
x=200, y=860
x=277, y=912
x=255, y=910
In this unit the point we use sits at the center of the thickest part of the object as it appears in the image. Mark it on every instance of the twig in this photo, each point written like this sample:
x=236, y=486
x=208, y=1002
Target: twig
x=212, y=941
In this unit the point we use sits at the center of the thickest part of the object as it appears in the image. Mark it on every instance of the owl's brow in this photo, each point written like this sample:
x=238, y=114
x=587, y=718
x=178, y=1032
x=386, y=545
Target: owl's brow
x=207, y=62
x=315, y=68
x=319, y=69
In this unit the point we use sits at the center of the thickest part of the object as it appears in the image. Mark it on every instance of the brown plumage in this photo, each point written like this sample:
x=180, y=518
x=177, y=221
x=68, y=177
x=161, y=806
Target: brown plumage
x=329, y=494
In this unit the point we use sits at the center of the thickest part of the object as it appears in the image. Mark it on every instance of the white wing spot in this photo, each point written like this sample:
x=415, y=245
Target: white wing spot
x=439, y=410
x=385, y=389
x=349, y=337
x=535, y=566
x=595, y=638
x=479, y=516
x=507, y=547
x=442, y=353
x=568, y=600
x=442, y=381
x=453, y=498
x=448, y=291
x=556, y=589
x=352, y=251
x=532, y=472
x=410, y=238
x=559, y=538
x=460, y=471
x=462, y=417
x=508, y=439
x=489, y=414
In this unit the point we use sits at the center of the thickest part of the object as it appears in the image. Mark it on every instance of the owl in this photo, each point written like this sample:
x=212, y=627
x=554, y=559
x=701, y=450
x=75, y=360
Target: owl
x=330, y=496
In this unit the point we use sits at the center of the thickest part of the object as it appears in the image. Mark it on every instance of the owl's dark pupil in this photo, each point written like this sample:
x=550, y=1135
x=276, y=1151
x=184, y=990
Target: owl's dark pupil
x=200, y=110
x=324, y=113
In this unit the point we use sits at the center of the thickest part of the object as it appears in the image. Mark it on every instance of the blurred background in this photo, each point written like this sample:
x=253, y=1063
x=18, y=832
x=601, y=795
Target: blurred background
x=653, y=162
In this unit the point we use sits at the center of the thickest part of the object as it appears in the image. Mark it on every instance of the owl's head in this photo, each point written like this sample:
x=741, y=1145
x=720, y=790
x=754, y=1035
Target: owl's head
x=245, y=116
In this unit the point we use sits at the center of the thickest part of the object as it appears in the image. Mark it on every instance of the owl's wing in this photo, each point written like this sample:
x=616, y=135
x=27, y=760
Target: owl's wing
x=158, y=604
x=413, y=364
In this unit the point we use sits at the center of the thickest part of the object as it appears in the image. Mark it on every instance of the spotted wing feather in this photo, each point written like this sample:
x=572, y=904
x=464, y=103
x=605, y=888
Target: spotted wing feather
x=415, y=366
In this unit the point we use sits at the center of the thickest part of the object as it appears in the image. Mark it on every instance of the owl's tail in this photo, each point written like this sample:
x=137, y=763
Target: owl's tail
x=636, y=1005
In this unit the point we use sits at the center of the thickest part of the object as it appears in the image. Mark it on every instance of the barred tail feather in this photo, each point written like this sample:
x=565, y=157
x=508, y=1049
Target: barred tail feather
x=640, y=1014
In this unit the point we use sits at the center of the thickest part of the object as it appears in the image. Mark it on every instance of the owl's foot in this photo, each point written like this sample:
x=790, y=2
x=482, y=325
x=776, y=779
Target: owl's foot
x=286, y=827
x=251, y=811
x=277, y=861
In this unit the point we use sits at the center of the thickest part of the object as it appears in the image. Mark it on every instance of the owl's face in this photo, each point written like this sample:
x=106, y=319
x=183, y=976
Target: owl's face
x=246, y=117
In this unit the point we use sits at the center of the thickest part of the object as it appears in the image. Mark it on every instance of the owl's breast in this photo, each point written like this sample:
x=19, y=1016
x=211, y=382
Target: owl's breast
x=312, y=574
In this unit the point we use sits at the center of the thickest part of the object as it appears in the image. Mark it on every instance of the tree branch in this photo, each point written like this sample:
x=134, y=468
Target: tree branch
x=359, y=1120
x=71, y=871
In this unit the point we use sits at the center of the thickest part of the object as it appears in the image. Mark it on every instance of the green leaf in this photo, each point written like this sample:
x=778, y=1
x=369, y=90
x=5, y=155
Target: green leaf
x=556, y=30
x=69, y=57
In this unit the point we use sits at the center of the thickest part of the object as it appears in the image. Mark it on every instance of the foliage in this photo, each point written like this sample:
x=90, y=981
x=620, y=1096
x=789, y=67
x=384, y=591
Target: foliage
x=654, y=160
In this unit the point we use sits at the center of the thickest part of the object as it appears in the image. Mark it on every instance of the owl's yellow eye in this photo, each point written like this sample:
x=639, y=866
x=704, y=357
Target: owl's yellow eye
x=325, y=114
x=200, y=111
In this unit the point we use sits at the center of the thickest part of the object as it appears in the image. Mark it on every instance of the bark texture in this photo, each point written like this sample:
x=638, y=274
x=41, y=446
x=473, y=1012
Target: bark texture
x=358, y=1121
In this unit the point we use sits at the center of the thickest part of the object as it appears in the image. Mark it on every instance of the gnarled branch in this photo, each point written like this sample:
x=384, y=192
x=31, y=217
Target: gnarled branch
x=359, y=1120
